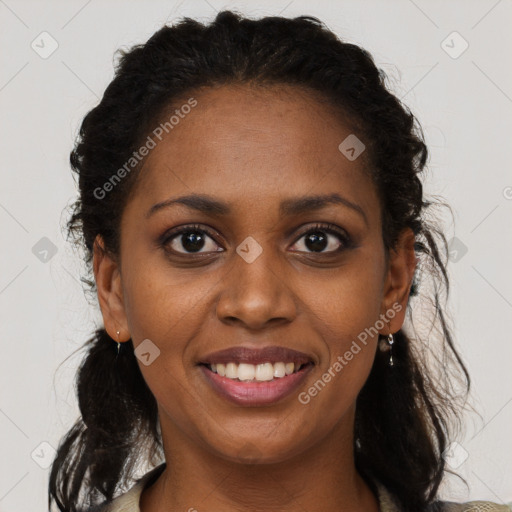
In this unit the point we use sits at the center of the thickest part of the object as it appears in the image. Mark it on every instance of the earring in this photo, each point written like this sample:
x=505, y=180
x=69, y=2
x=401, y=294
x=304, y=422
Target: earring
x=390, y=341
x=118, y=344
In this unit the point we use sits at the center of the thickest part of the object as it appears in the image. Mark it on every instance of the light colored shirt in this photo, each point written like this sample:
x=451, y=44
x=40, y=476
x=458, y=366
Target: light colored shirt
x=129, y=501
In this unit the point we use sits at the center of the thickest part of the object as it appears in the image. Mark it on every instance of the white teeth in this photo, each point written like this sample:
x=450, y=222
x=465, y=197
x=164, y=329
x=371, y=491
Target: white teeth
x=221, y=369
x=259, y=372
x=279, y=370
x=231, y=371
x=246, y=371
x=289, y=368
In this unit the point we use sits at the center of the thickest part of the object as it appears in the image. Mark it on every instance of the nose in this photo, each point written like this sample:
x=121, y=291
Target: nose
x=256, y=294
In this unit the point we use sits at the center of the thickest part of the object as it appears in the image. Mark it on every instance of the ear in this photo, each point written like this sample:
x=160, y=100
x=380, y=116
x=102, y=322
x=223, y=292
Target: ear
x=397, y=286
x=110, y=291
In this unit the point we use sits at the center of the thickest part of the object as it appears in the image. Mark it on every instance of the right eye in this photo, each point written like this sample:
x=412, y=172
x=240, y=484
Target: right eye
x=189, y=240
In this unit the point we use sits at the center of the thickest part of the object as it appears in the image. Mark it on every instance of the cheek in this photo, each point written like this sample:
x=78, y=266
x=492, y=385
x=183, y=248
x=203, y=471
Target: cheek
x=349, y=352
x=166, y=307
x=345, y=309
x=159, y=302
x=347, y=301
x=163, y=310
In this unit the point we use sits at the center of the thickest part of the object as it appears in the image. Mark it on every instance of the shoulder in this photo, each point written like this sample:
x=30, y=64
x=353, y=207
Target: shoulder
x=130, y=500
x=473, y=506
x=389, y=503
x=126, y=502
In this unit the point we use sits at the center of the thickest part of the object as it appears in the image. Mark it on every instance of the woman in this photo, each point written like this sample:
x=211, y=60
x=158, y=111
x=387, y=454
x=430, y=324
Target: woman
x=251, y=208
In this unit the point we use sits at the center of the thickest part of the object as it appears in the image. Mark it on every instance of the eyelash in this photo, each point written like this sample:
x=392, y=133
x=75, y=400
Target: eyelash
x=324, y=227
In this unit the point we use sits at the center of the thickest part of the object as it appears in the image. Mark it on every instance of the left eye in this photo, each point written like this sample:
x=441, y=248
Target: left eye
x=317, y=239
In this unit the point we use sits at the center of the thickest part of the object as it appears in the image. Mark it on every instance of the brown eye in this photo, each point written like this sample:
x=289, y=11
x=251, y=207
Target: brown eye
x=190, y=240
x=322, y=237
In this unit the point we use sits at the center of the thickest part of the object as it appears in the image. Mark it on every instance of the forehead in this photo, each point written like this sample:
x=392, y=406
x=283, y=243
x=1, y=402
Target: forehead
x=261, y=143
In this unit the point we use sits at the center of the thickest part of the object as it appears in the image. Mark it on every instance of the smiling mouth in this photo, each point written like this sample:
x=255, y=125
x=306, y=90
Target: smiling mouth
x=264, y=372
x=253, y=392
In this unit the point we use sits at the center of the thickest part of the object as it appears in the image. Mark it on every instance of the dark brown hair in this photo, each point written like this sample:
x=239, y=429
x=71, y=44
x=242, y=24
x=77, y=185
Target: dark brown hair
x=404, y=413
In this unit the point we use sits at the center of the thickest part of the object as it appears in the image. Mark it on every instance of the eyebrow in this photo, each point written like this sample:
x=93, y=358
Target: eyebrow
x=289, y=207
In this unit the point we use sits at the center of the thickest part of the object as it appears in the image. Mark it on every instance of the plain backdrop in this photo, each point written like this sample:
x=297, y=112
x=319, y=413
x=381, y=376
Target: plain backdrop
x=448, y=60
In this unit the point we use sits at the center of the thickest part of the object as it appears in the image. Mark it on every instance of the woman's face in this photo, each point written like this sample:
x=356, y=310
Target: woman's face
x=256, y=278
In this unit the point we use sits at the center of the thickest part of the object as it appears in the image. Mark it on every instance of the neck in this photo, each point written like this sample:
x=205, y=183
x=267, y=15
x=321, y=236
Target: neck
x=320, y=478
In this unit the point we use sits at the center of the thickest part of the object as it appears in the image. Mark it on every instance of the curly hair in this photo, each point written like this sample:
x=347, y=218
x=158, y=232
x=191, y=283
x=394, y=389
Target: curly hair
x=404, y=417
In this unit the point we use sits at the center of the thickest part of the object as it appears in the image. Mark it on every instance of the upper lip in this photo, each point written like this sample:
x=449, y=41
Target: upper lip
x=248, y=355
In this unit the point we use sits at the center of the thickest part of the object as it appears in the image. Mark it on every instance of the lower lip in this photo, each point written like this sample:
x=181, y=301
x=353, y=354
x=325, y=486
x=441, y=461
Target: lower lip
x=254, y=394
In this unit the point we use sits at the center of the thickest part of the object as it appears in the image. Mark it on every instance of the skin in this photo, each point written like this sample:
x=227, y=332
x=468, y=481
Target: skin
x=253, y=148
